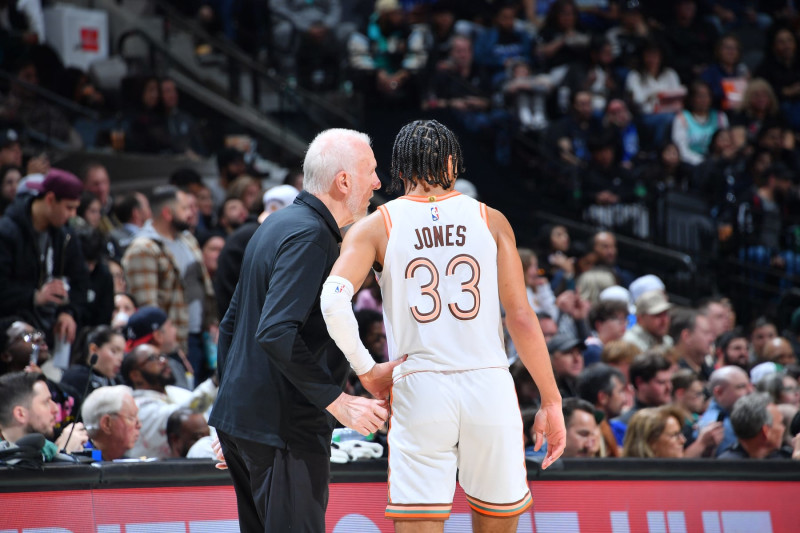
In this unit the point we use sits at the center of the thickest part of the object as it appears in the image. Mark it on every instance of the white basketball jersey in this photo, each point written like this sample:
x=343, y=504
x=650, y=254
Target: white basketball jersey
x=439, y=283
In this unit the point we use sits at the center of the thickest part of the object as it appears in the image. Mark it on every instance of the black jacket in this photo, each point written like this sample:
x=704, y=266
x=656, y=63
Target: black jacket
x=229, y=263
x=22, y=272
x=278, y=367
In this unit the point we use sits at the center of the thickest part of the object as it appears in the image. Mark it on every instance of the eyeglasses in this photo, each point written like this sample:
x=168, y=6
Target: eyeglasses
x=153, y=357
x=33, y=337
x=130, y=419
x=791, y=389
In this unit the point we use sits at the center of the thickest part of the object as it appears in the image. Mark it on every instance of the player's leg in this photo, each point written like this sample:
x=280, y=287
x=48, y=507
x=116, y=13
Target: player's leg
x=491, y=453
x=423, y=434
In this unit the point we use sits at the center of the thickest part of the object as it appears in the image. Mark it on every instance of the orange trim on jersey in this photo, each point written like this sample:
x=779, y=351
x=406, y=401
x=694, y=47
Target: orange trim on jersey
x=500, y=509
x=420, y=511
x=389, y=449
x=387, y=219
x=429, y=199
x=485, y=214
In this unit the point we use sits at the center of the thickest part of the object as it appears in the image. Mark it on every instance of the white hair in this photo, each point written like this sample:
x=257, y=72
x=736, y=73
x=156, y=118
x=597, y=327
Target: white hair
x=331, y=152
x=103, y=401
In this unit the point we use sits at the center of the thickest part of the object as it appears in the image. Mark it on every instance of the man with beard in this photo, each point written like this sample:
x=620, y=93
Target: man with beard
x=151, y=378
x=26, y=407
x=164, y=267
x=732, y=348
x=150, y=325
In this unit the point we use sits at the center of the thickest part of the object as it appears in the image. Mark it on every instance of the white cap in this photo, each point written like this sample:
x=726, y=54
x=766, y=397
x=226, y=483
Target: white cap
x=645, y=284
x=760, y=371
x=618, y=293
x=279, y=197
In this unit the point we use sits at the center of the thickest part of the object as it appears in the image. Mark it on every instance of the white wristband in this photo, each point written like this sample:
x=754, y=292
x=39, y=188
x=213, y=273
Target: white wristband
x=337, y=309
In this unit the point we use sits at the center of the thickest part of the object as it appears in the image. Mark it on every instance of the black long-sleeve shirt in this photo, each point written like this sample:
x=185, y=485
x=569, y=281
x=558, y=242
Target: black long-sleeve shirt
x=276, y=363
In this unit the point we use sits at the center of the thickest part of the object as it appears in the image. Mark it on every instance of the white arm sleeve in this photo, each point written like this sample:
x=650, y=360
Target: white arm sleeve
x=337, y=309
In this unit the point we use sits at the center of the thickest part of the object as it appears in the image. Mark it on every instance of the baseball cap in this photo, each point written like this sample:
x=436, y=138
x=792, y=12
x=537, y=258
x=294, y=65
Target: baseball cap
x=617, y=293
x=564, y=342
x=279, y=197
x=645, y=284
x=652, y=303
x=8, y=137
x=65, y=185
x=142, y=324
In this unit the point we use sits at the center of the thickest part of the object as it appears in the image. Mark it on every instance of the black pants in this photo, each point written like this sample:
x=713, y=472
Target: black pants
x=277, y=490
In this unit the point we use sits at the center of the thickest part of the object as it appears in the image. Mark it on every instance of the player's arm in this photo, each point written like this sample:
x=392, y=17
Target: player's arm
x=524, y=328
x=358, y=253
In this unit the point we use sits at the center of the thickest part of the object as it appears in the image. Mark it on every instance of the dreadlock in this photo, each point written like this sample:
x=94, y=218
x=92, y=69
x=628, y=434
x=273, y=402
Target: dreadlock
x=421, y=150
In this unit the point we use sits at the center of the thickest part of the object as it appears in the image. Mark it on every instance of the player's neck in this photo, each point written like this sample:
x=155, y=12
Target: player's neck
x=425, y=189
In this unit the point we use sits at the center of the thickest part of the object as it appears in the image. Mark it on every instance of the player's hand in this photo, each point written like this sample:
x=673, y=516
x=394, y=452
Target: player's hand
x=378, y=381
x=362, y=414
x=217, y=447
x=549, y=424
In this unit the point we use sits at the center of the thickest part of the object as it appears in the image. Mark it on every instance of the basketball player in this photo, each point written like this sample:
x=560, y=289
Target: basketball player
x=446, y=264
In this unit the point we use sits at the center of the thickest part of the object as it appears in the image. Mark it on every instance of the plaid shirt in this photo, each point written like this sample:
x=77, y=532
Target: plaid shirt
x=154, y=279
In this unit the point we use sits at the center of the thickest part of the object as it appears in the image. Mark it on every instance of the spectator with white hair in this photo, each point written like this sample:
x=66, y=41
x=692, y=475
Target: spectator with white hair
x=112, y=420
x=727, y=385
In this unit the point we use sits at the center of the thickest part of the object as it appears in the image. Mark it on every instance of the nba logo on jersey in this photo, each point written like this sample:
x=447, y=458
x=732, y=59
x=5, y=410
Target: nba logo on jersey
x=338, y=289
x=435, y=213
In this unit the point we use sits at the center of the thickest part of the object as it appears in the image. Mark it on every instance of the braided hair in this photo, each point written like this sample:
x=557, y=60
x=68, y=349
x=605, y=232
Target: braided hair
x=421, y=150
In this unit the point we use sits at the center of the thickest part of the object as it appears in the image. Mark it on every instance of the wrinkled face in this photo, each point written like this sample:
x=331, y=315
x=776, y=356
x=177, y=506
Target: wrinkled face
x=790, y=391
x=737, y=353
x=670, y=442
x=211, y=251
x=568, y=363
x=738, y=385
x=98, y=183
x=656, y=325
x=364, y=180
x=126, y=424
x=657, y=391
x=41, y=415
x=9, y=185
x=761, y=336
x=109, y=356
x=582, y=436
x=605, y=246
x=701, y=339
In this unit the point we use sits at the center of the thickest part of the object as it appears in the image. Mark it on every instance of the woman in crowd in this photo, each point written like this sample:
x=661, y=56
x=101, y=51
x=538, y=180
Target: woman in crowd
x=655, y=432
x=124, y=307
x=556, y=258
x=694, y=127
x=10, y=175
x=759, y=105
x=781, y=69
x=99, y=362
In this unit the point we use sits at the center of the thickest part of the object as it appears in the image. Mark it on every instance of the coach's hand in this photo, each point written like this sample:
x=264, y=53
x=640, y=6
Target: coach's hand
x=362, y=414
x=378, y=380
x=549, y=424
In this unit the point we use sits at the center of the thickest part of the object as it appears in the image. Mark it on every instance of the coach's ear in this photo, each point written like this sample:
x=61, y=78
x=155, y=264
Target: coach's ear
x=342, y=183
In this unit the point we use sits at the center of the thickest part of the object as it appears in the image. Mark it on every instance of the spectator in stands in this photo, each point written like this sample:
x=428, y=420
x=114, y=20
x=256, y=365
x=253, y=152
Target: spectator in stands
x=690, y=40
x=248, y=190
x=620, y=355
x=100, y=292
x=372, y=332
x=655, y=433
x=571, y=133
x=688, y=394
x=630, y=36
x=652, y=322
x=779, y=141
x=164, y=267
x=759, y=105
x=42, y=273
x=727, y=384
x=604, y=244
x=540, y=295
x=502, y=43
x=567, y=359
x=649, y=374
x=594, y=73
x=96, y=181
x=10, y=176
x=548, y=325
x=10, y=148
x=782, y=388
x=781, y=69
x=151, y=378
x=646, y=283
x=112, y=420
x=694, y=339
x=88, y=212
x=150, y=325
x=618, y=119
x=779, y=351
x=26, y=407
x=184, y=428
x=561, y=40
x=727, y=75
x=603, y=386
x=211, y=245
x=147, y=130
x=732, y=348
x=583, y=438
x=232, y=214
x=608, y=320
x=132, y=211
x=120, y=283
x=720, y=315
x=230, y=165
x=759, y=428
x=694, y=127
x=182, y=127
x=724, y=170
x=98, y=365
x=592, y=283
x=762, y=331
x=124, y=307
x=383, y=58
x=556, y=256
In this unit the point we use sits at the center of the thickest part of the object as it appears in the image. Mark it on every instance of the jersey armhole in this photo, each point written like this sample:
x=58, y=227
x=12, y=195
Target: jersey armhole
x=387, y=220
x=485, y=214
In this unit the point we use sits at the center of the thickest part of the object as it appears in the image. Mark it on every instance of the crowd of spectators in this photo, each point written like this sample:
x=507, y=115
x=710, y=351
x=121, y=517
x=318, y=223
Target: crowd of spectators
x=111, y=299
